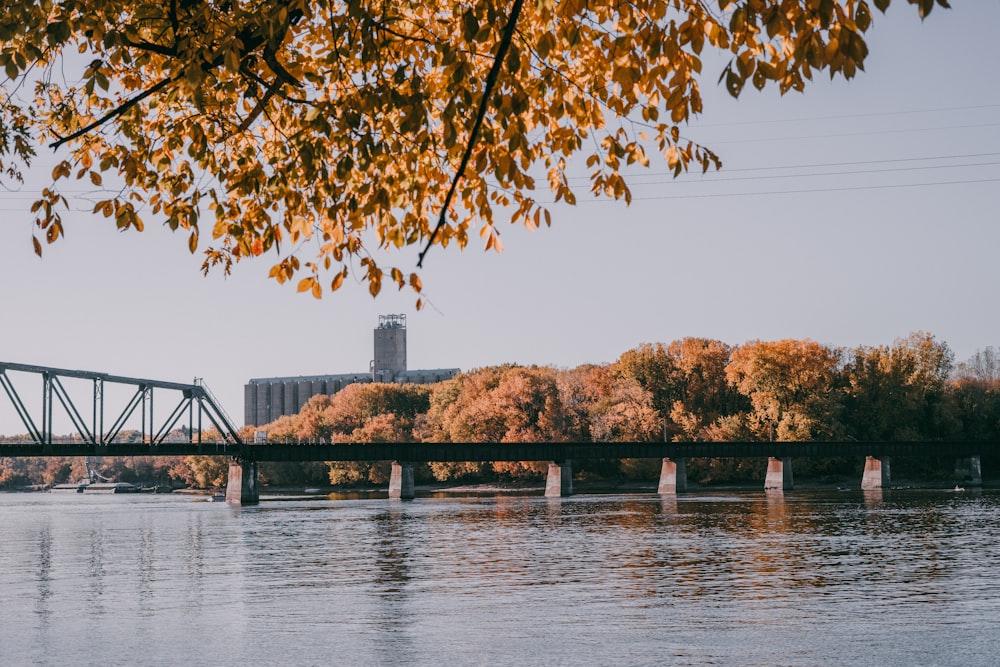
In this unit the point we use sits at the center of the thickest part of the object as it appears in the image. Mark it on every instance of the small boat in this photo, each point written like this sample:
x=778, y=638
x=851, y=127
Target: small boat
x=217, y=498
x=70, y=487
x=111, y=487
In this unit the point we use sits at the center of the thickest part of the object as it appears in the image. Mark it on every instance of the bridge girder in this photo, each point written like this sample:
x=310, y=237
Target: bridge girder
x=415, y=452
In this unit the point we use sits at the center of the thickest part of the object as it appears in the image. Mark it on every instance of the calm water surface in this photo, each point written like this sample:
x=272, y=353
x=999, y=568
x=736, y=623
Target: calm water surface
x=811, y=578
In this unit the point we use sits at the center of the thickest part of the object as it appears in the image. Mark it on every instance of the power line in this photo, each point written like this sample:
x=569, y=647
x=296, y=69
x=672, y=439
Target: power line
x=818, y=165
x=841, y=135
x=872, y=114
x=818, y=173
x=801, y=191
x=815, y=165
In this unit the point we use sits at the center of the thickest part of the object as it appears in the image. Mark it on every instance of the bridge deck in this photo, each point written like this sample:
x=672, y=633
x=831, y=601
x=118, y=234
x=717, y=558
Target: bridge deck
x=513, y=451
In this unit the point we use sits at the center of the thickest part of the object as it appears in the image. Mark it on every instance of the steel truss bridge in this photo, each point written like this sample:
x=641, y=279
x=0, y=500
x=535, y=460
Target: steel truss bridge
x=98, y=426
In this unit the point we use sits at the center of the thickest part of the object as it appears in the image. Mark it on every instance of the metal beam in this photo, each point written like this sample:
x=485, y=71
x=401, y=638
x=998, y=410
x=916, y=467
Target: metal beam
x=512, y=451
x=19, y=407
x=95, y=434
x=89, y=375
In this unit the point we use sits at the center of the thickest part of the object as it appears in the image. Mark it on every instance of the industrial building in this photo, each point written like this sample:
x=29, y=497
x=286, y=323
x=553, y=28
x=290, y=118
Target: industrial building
x=266, y=399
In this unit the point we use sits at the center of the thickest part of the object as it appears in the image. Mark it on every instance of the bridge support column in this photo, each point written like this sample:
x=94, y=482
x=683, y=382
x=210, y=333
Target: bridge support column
x=560, y=480
x=242, y=486
x=876, y=475
x=673, y=477
x=401, y=481
x=969, y=470
x=779, y=475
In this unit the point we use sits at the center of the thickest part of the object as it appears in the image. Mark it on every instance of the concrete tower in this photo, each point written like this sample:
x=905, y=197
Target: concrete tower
x=390, y=348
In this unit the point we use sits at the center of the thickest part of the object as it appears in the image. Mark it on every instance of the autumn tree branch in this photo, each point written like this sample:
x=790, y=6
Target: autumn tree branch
x=114, y=113
x=491, y=79
x=253, y=36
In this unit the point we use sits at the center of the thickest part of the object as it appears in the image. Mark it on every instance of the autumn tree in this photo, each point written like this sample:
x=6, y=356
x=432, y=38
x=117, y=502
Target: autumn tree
x=687, y=383
x=580, y=390
x=351, y=411
x=793, y=387
x=208, y=472
x=330, y=134
x=897, y=392
x=625, y=414
x=501, y=404
x=973, y=396
x=655, y=370
x=705, y=394
x=983, y=367
x=15, y=472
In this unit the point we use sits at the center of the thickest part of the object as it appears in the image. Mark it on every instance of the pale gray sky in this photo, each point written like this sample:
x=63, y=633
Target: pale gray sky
x=853, y=214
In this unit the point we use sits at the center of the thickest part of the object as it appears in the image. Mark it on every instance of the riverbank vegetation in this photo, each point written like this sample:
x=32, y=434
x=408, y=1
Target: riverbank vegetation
x=693, y=389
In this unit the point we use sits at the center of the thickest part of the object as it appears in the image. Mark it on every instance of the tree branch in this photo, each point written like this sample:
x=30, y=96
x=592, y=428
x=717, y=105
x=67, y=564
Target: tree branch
x=268, y=94
x=151, y=47
x=114, y=113
x=491, y=79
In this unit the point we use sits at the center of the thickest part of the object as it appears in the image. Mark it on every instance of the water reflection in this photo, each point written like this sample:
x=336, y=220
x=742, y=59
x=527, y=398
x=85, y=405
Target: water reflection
x=668, y=507
x=874, y=498
x=391, y=549
x=146, y=565
x=830, y=578
x=194, y=553
x=42, y=607
x=94, y=579
x=392, y=543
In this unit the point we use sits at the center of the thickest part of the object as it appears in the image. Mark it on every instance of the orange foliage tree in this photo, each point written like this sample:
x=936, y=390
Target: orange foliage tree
x=334, y=133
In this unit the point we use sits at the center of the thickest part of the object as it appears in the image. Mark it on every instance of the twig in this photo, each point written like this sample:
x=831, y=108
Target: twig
x=491, y=79
x=114, y=113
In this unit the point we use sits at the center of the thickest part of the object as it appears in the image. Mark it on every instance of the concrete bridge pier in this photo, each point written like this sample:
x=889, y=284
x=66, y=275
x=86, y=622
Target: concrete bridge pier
x=673, y=477
x=779, y=475
x=401, y=481
x=559, y=483
x=969, y=470
x=241, y=488
x=876, y=475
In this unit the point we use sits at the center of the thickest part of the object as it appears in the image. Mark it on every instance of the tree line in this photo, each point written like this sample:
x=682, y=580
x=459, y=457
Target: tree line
x=694, y=389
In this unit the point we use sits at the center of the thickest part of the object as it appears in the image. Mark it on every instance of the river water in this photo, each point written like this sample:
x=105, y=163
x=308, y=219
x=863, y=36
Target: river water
x=725, y=578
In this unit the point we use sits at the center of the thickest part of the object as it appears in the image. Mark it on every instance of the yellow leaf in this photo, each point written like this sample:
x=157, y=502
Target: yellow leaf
x=306, y=284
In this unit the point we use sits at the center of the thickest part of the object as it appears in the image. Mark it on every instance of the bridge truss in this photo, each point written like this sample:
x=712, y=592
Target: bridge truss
x=98, y=428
